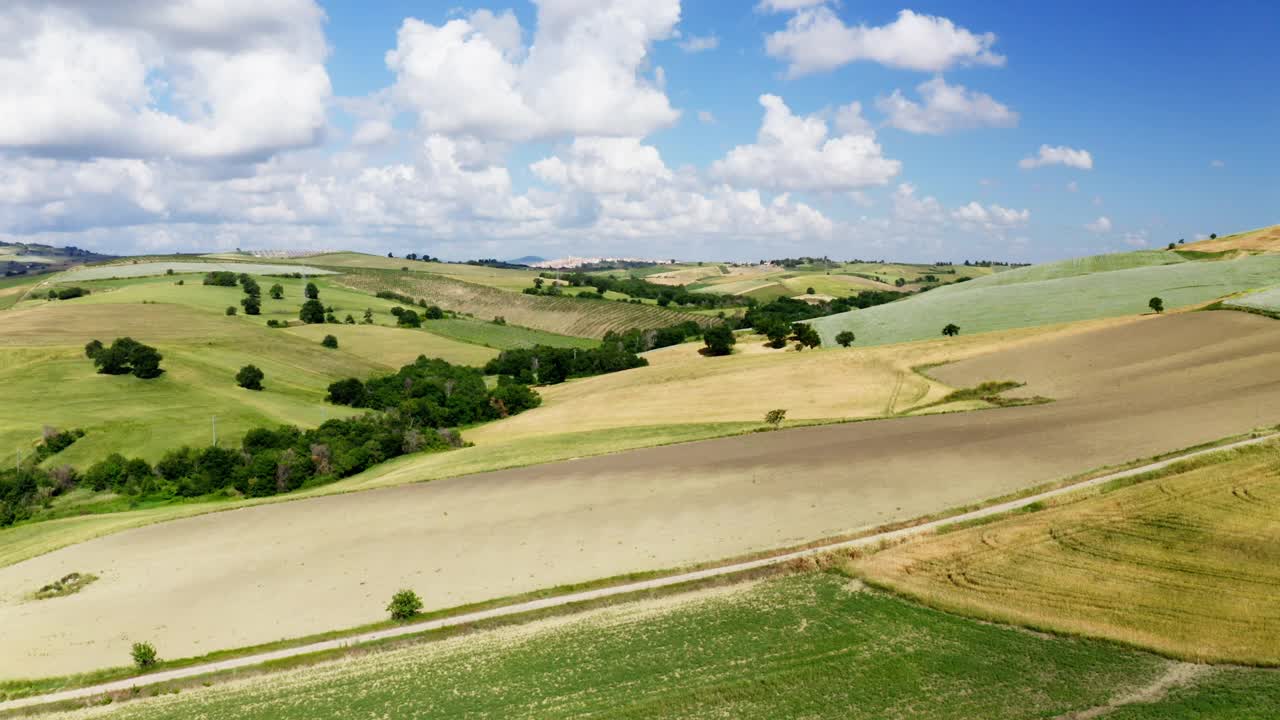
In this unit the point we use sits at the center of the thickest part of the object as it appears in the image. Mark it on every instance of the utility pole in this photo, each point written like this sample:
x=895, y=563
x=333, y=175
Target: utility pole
x=215, y=431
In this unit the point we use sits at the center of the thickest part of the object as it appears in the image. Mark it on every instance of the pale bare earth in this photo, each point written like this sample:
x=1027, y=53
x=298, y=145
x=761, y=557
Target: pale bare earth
x=260, y=574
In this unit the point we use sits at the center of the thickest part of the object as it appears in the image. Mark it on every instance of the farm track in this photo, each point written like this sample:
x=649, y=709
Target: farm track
x=562, y=601
x=255, y=575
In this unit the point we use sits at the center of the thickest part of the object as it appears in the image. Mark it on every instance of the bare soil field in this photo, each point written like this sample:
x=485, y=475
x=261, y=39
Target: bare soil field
x=1265, y=239
x=260, y=574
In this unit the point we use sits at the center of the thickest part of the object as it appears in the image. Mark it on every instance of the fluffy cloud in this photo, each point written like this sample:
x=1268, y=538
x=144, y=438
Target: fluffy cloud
x=580, y=75
x=796, y=153
x=179, y=78
x=991, y=217
x=787, y=5
x=945, y=108
x=699, y=43
x=816, y=39
x=606, y=165
x=1101, y=225
x=1060, y=155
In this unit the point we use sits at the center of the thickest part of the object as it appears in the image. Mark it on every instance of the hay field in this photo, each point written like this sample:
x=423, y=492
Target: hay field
x=1187, y=564
x=811, y=646
x=1265, y=239
x=491, y=535
x=500, y=278
x=395, y=347
x=561, y=315
x=979, y=307
x=144, y=269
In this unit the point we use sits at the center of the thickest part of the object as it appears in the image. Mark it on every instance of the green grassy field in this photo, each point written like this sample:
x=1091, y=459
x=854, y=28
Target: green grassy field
x=1225, y=694
x=1080, y=266
x=395, y=347
x=980, y=305
x=502, y=337
x=500, y=278
x=135, y=268
x=1268, y=300
x=811, y=646
x=1187, y=563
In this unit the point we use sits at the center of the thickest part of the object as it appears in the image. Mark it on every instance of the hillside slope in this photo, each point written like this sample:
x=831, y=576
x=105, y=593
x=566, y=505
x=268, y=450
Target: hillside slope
x=984, y=305
x=564, y=315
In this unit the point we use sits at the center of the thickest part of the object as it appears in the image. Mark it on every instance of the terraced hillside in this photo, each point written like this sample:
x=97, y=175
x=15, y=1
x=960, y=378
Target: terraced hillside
x=992, y=304
x=563, y=315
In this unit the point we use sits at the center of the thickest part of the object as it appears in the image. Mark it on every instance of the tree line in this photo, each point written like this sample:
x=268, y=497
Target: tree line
x=637, y=288
x=546, y=365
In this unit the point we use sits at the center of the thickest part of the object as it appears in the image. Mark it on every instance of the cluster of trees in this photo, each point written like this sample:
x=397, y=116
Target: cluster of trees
x=424, y=257
x=801, y=334
x=220, y=278
x=638, y=341
x=26, y=486
x=638, y=288
x=784, y=311
x=312, y=311
x=545, y=365
x=431, y=312
x=436, y=394
x=992, y=263
x=719, y=340
x=123, y=356
x=68, y=293
x=270, y=461
x=252, y=301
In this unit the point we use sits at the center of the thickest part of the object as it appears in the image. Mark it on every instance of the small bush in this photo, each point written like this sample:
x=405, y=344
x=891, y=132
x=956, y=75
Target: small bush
x=845, y=338
x=404, y=605
x=144, y=655
x=250, y=377
x=330, y=342
x=775, y=417
x=231, y=310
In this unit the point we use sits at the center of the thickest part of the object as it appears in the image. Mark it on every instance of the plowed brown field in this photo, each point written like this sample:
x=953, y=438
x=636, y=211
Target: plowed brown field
x=259, y=574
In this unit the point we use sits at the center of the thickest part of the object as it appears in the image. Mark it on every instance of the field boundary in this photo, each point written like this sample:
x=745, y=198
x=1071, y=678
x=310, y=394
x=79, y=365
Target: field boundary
x=874, y=537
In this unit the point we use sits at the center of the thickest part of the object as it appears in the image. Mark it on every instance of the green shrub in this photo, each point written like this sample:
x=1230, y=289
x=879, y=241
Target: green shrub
x=144, y=655
x=330, y=342
x=404, y=605
x=231, y=310
x=250, y=377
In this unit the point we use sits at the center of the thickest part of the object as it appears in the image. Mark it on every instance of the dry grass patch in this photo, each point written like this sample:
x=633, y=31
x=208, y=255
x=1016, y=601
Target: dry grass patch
x=1188, y=564
x=1265, y=239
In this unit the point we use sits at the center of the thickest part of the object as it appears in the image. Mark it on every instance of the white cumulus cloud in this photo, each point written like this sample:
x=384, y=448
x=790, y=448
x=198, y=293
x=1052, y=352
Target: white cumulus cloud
x=580, y=75
x=1101, y=225
x=797, y=153
x=1060, y=155
x=816, y=39
x=944, y=108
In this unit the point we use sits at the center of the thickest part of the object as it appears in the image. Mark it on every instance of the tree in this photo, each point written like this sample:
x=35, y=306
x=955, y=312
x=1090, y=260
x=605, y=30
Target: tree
x=809, y=291
x=231, y=310
x=1213, y=236
x=368, y=316
x=330, y=342
x=777, y=332
x=312, y=292
x=1172, y=246
x=719, y=340
x=144, y=655
x=1156, y=304
x=845, y=338
x=277, y=292
x=537, y=283
x=92, y=348
x=900, y=282
x=433, y=312
x=250, y=377
x=349, y=320
x=804, y=335
x=404, y=605
x=145, y=361
x=252, y=305
x=775, y=417
x=409, y=318
x=951, y=330
x=312, y=312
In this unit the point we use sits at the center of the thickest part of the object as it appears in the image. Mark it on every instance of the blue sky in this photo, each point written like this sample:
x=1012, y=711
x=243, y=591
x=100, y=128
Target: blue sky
x=478, y=142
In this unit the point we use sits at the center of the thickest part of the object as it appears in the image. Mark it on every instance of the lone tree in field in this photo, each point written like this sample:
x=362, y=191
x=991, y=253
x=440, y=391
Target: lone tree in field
x=719, y=340
x=250, y=377
x=144, y=655
x=845, y=338
x=404, y=605
x=1156, y=305
x=368, y=316
x=951, y=330
x=330, y=342
x=808, y=291
x=775, y=417
x=1213, y=236
x=805, y=336
x=312, y=292
x=277, y=292
x=312, y=312
x=125, y=356
x=231, y=310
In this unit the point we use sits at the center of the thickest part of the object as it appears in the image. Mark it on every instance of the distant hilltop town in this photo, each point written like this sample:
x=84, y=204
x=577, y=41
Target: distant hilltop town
x=575, y=262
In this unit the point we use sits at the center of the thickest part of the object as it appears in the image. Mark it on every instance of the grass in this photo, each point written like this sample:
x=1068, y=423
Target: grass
x=1075, y=267
x=396, y=346
x=810, y=646
x=500, y=278
x=502, y=337
x=562, y=315
x=1184, y=561
x=133, y=269
x=992, y=304
x=1226, y=694
x=1267, y=300
x=69, y=584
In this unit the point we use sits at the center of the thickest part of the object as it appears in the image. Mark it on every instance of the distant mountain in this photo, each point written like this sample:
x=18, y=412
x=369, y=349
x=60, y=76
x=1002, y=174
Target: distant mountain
x=527, y=260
